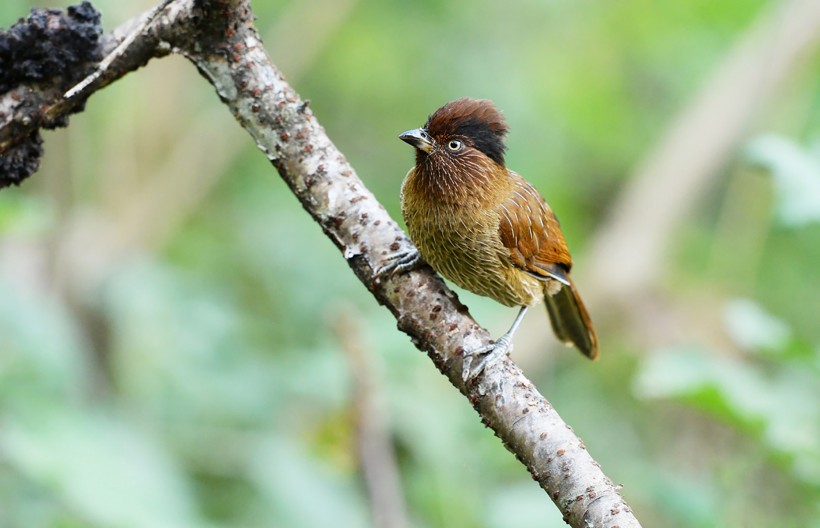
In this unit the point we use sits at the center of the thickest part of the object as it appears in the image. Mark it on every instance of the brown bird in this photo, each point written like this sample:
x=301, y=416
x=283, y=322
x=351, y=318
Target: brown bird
x=486, y=228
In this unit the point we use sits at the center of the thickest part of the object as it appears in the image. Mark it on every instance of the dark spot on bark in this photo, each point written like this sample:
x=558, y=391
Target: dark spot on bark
x=395, y=246
x=21, y=160
x=560, y=452
x=50, y=48
x=50, y=45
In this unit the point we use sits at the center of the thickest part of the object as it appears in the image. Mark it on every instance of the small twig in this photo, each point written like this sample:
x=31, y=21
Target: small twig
x=377, y=458
x=118, y=52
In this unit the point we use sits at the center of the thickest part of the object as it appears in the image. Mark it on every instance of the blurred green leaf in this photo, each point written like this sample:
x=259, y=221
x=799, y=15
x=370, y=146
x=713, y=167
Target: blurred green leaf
x=101, y=468
x=521, y=504
x=796, y=175
x=752, y=328
x=303, y=493
x=693, y=500
x=193, y=361
x=42, y=357
x=724, y=386
x=783, y=407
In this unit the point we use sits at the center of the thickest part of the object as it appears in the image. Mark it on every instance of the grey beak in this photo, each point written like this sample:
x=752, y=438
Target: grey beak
x=418, y=138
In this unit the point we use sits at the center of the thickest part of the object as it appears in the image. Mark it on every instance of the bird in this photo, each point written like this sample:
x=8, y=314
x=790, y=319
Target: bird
x=485, y=228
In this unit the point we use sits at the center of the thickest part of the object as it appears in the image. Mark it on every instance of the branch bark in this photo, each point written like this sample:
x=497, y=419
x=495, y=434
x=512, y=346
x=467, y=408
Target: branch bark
x=219, y=38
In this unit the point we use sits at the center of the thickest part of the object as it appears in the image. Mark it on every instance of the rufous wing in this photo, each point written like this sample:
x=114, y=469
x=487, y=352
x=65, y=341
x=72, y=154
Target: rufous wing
x=532, y=235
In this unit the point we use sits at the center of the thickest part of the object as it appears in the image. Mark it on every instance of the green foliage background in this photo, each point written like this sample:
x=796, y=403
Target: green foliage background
x=195, y=378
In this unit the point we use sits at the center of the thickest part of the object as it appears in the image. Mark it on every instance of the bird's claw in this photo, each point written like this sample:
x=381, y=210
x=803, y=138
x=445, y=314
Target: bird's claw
x=400, y=261
x=486, y=356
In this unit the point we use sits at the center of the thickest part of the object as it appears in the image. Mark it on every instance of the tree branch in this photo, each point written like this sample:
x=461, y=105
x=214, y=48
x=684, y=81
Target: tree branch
x=219, y=38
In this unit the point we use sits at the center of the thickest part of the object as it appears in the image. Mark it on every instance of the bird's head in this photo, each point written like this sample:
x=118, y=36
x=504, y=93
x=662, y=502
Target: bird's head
x=460, y=131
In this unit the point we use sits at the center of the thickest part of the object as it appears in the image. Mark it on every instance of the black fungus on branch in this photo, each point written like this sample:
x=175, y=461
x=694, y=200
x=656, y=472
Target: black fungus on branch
x=49, y=50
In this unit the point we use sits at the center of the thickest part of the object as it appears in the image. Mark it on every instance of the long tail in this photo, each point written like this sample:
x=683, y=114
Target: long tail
x=570, y=320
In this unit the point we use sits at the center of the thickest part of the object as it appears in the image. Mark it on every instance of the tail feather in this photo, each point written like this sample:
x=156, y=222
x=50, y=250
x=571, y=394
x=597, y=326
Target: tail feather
x=570, y=320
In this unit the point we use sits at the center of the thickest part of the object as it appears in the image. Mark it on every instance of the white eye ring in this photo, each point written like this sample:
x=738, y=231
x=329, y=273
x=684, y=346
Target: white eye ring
x=454, y=145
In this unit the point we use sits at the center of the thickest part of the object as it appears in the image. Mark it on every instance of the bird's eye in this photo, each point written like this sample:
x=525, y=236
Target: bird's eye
x=455, y=145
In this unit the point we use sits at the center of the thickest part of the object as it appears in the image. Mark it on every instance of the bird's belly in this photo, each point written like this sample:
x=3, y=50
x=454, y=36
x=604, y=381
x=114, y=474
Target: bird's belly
x=470, y=254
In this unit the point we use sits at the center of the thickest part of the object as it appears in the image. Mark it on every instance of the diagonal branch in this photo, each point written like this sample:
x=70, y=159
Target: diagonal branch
x=219, y=38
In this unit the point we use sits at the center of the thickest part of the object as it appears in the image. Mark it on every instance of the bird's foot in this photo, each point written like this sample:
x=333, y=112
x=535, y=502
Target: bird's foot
x=484, y=357
x=400, y=262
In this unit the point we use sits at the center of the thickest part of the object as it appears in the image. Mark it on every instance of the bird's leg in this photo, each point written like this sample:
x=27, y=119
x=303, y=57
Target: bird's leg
x=490, y=353
x=400, y=261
